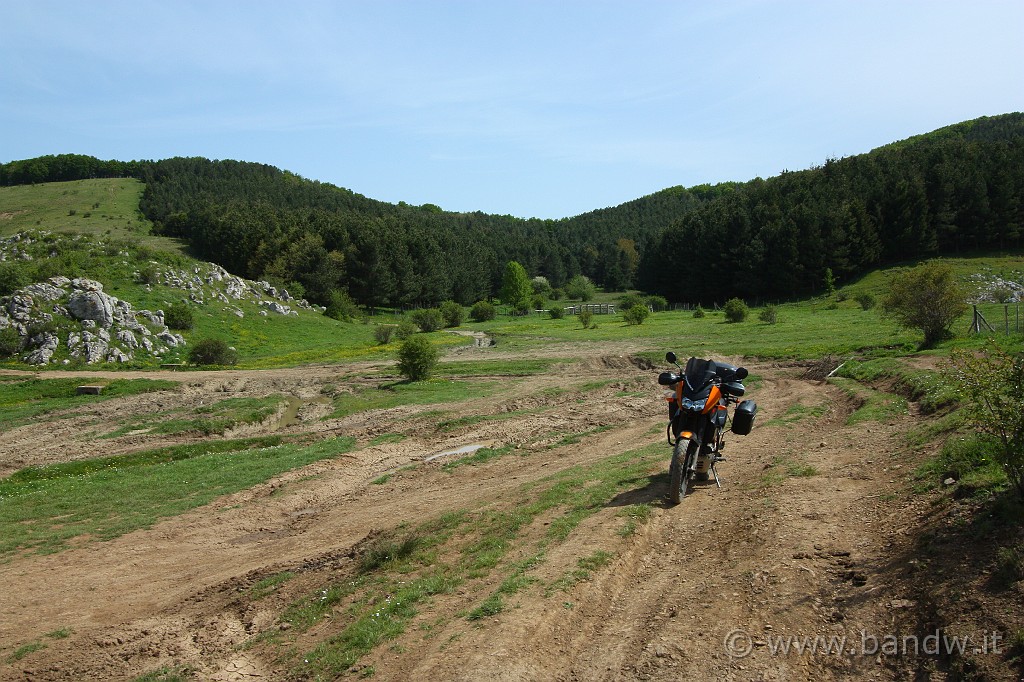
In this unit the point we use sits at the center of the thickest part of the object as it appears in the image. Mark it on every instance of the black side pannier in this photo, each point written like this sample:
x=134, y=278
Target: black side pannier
x=743, y=418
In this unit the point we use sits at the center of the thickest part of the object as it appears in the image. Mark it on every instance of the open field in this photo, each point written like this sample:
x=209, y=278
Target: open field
x=549, y=553
x=309, y=515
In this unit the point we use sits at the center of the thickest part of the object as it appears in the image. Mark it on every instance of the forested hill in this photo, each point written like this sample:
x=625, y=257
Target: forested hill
x=957, y=188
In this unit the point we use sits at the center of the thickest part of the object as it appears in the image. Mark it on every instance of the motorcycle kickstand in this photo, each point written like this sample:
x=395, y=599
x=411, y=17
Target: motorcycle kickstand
x=714, y=472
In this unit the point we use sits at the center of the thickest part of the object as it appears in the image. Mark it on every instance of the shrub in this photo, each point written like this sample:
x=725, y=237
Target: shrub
x=11, y=278
x=866, y=301
x=636, y=314
x=340, y=306
x=541, y=286
x=580, y=287
x=149, y=274
x=557, y=312
x=927, y=298
x=180, y=316
x=557, y=294
x=586, y=318
x=382, y=333
x=768, y=314
x=656, y=303
x=735, y=310
x=405, y=329
x=991, y=387
x=428, y=319
x=417, y=358
x=452, y=313
x=698, y=312
x=627, y=301
x=10, y=342
x=212, y=352
x=482, y=311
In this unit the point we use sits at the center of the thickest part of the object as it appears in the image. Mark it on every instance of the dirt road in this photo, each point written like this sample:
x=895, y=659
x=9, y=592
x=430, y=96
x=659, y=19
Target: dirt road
x=798, y=542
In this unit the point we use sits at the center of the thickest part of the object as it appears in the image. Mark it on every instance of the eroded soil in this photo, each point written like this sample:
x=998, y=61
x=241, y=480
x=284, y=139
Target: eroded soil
x=804, y=538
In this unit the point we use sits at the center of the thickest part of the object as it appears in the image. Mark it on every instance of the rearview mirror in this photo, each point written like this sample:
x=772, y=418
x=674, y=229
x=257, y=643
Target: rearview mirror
x=670, y=357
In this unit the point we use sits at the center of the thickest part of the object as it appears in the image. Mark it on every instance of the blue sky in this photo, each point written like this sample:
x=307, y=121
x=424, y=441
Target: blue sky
x=535, y=109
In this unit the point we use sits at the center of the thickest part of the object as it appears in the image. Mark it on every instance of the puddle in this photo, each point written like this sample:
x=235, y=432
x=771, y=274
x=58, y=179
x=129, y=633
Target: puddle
x=464, y=450
x=290, y=416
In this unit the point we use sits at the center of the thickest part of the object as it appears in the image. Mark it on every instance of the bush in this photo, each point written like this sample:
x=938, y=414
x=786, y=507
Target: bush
x=180, y=316
x=636, y=314
x=428, y=319
x=580, y=287
x=557, y=312
x=698, y=312
x=149, y=274
x=627, y=301
x=212, y=352
x=866, y=301
x=557, y=294
x=11, y=278
x=656, y=303
x=735, y=310
x=10, y=342
x=405, y=329
x=382, y=333
x=991, y=387
x=541, y=286
x=768, y=314
x=340, y=306
x=586, y=318
x=452, y=313
x=927, y=298
x=417, y=358
x=482, y=311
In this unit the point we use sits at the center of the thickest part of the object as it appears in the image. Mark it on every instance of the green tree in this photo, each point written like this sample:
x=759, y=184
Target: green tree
x=928, y=298
x=212, y=352
x=580, y=288
x=417, y=358
x=516, y=288
x=991, y=387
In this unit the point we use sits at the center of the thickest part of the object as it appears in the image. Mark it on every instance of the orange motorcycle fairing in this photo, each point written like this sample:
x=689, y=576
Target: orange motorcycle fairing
x=713, y=400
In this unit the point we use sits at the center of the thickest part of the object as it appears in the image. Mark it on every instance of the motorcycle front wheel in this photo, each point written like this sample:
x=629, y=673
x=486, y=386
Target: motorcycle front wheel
x=679, y=471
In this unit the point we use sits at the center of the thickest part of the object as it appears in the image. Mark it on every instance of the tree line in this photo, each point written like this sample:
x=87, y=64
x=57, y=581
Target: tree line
x=955, y=189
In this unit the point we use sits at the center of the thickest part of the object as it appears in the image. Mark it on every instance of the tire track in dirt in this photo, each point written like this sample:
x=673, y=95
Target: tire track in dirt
x=751, y=555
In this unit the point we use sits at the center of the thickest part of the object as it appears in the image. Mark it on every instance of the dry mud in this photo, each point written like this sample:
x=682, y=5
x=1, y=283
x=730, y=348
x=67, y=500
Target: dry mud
x=701, y=591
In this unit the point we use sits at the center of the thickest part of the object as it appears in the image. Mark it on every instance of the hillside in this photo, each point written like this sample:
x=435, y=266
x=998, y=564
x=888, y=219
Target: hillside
x=955, y=189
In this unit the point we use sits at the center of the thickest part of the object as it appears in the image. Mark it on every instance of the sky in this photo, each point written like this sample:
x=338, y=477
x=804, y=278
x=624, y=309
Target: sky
x=529, y=108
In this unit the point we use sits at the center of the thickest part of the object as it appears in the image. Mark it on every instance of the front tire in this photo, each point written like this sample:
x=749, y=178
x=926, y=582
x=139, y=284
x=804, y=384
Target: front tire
x=679, y=469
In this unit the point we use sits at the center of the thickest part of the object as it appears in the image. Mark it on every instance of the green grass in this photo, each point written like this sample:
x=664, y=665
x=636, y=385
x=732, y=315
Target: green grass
x=636, y=515
x=269, y=585
x=400, y=572
x=797, y=413
x=875, y=405
x=71, y=206
x=46, y=509
x=26, y=400
x=971, y=461
x=427, y=392
x=23, y=651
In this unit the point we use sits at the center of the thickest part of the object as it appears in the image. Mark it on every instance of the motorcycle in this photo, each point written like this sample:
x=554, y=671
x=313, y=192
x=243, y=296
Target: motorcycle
x=698, y=411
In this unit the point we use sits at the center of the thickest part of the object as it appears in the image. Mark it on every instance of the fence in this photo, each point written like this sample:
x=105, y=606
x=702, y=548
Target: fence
x=979, y=322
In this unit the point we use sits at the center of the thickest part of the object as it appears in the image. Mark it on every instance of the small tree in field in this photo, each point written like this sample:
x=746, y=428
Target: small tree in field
x=735, y=310
x=636, y=314
x=769, y=314
x=516, y=289
x=452, y=313
x=927, y=298
x=482, y=311
x=179, y=316
x=991, y=386
x=428, y=319
x=417, y=358
x=580, y=288
x=586, y=318
x=212, y=352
